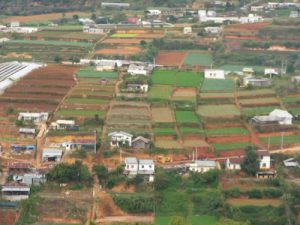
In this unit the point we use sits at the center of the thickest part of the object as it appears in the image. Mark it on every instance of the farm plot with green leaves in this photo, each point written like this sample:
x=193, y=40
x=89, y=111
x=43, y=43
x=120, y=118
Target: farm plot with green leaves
x=259, y=101
x=217, y=85
x=231, y=146
x=119, y=35
x=191, y=131
x=176, y=78
x=160, y=92
x=227, y=131
x=276, y=140
x=256, y=111
x=159, y=131
x=186, y=117
x=255, y=93
x=218, y=111
x=90, y=72
x=199, y=59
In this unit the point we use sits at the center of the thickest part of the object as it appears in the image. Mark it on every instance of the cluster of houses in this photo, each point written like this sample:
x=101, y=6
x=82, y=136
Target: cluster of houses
x=15, y=27
x=123, y=139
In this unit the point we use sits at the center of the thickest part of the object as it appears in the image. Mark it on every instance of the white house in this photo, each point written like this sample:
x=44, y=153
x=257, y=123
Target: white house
x=34, y=117
x=214, y=74
x=52, y=155
x=203, y=166
x=119, y=138
x=146, y=166
x=138, y=87
x=271, y=72
x=264, y=159
x=137, y=70
x=134, y=166
x=248, y=71
x=234, y=163
x=213, y=30
x=62, y=124
x=187, y=30
x=279, y=116
x=131, y=166
x=153, y=12
x=93, y=29
x=15, y=191
x=284, y=117
x=257, y=81
x=291, y=162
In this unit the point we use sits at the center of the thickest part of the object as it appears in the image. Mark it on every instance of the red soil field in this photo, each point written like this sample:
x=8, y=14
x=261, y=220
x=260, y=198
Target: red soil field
x=37, y=90
x=221, y=125
x=171, y=58
x=252, y=38
x=229, y=139
x=8, y=217
x=121, y=41
x=233, y=153
x=119, y=51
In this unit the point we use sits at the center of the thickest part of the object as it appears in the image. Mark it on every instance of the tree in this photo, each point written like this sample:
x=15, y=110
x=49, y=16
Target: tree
x=75, y=17
x=251, y=161
x=178, y=220
x=57, y=59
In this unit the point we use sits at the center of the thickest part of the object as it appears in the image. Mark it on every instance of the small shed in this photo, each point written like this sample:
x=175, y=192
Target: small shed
x=52, y=155
x=141, y=143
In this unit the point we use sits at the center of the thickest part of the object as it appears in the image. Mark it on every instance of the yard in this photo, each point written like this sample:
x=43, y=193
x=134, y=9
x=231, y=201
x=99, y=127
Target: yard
x=211, y=85
x=201, y=59
x=218, y=111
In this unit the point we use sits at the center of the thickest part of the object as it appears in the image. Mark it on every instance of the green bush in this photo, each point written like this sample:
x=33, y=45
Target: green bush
x=232, y=193
x=134, y=203
x=255, y=193
x=272, y=193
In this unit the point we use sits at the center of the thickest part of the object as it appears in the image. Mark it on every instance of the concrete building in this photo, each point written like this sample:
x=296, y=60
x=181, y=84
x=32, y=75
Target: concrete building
x=264, y=159
x=134, y=166
x=138, y=87
x=257, y=81
x=141, y=143
x=33, y=117
x=120, y=138
x=277, y=116
x=153, y=12
x=187, y=30
x=202, y=166
x=52, y=155
x=15, y=191
x=63, y=125
x=214, y=74
x=234, y=163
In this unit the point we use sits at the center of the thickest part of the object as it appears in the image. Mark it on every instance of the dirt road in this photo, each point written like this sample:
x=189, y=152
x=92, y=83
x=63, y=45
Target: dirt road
x=126, y=219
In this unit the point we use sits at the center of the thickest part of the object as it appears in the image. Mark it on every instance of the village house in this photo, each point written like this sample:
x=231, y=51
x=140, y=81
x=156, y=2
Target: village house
x=271, y=72
x=234, y=163
x=64, y=125
x=94, y=29
x=17, y=168
x=15, y=191
x=16, y=148
x=120, y=138
x=34, y=117
x=137, y=70
x=32, y=178
x=202, y=166
x=277, y=116
x=134, y=166
x=138, y=87
x=214, y=74
x=248, y=72
x=52, y=155
x=141, y=143
x=213, y=30
x=187, y=30
x=27, y=132
x=264, y=159
x=153, y=12
x=257, y=82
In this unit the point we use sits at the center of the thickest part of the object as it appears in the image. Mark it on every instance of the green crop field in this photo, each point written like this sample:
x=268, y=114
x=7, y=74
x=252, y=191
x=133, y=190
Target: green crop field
x=180, y=79
x=186, y=117
x=124, y=35
x=258, y=92
x=161, y=92
x=55, y=43
x=294, y=111
x=256, y=111
x=227, y=131
x=217, y=85
x=92, y=73
x=200, y=59
x=231, y=146
x=164, y=131
x=191, y=130
x=86, y=101
x=193, y=220
x=216, y=95
x=276, y=140
x=218, y=111
x=291, y=100
x=81, y=112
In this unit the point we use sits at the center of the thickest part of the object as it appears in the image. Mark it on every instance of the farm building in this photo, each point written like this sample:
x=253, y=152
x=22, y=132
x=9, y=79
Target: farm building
x=187, y=30
x=213, y=30
x=33, y=178
x=202, y=166
x=153, y=12
x=34, y=117
x=135, y=70
x=27, y=131
x=15, y=191
x=214, y=74
x=2, y=40
x=264, y=159
x=134, y=166
x=94, y=29
x=138, y=87
x=271, y=72
x=141, y=143
x=52, y=155
x=291, y=162
x=63, y=125
x=119, y=138
x=248, y=72
x=115, y=5
x=13, y=71
x=257, y=82
x=278, y=116
x=22, y=148
x=234, y=163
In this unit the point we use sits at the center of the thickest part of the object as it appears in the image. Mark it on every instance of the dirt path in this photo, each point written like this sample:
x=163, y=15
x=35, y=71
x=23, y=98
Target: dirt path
x=40, y=140
x=126, y=219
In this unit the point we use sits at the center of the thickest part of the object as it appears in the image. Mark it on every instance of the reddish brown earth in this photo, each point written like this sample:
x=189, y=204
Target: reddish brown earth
x=171, y=58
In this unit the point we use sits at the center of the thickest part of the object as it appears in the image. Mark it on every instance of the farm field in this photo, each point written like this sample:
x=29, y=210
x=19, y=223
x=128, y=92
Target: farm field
x=79, y=113
x=179, y=79
x=211, y=85
x=170, y=58
x=162, y=115
x=86, y=101
x=259, y=101
x=160, y=92
x=276, y=140
x=191, y=130
x=168, y=144
x=164, y=131
x=230, y=146
x=89, y=72
x=119, y=50
x=294, y=111
x=186, y=117
x=218, y=111
x=253, y=93
x=254, y=202
x=188, y=94
x=194, y=220
x=55, y=43
x=199, y=59
x=255, y=111
x=227, y=131
x=124, y=35
x=216, y=95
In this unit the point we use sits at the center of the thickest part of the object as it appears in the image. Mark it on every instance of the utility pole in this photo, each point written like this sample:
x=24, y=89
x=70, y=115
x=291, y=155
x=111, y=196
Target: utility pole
x=281, y=140
x=269, y=142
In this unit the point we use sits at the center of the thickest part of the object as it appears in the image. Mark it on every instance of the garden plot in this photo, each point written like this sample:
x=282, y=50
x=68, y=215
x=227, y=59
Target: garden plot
x=227, y=131
x=231, y=146
x=216, y=95
x=188, y=94
x=254, y=202
x=160, y=92
x=119, y=50
x=256, y=111
x=171, y=58
x=191, y=131
x=218, y=111
x=199, y=59
x=286, y=140
x=168, y=144
x=161, y=131
x=261, y=101
x=162, y=115
x=90, y=72
x=256, y=93
x=179, y=79
x=211, y=85
x=187, y=117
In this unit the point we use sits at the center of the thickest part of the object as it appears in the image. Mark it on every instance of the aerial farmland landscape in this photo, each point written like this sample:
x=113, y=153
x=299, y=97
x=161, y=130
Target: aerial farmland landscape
x=150, y=112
